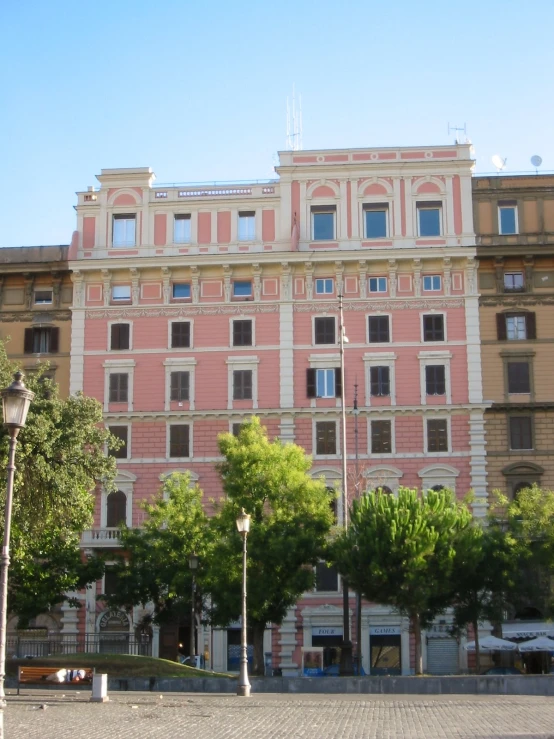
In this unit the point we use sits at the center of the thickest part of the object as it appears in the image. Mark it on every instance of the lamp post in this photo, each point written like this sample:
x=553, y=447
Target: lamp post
x=16, y=400
x=243, y=689
x=193, y=565
x=346, y=648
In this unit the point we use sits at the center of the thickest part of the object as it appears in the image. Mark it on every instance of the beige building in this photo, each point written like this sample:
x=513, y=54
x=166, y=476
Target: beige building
x=35, y=309
x=514, y=224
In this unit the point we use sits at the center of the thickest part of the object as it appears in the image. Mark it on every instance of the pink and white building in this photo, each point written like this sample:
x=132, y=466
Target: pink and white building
x=197, y=306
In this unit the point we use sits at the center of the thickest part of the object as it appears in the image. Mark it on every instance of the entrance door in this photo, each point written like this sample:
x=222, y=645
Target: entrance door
x=385, y=654
x=331, y=652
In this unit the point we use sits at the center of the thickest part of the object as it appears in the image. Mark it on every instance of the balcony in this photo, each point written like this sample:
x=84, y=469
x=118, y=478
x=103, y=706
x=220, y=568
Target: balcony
x=107, y=538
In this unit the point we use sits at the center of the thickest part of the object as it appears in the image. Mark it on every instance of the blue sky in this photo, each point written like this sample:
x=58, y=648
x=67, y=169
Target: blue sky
x=198, y=91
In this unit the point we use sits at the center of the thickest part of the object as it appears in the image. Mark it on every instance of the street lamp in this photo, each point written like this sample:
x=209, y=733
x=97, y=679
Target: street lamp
x=243, y=689
x=16, y=400
x=193, y=565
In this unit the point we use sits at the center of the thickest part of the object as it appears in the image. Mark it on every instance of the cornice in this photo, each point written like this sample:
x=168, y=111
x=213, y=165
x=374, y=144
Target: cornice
x=245, y=308
x=516, y=407
x=381, y=305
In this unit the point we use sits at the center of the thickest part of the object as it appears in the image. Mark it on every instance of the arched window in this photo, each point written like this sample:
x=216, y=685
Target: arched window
x=437, y=488
x=383, y=489
x=521, y=486
x=116, y=512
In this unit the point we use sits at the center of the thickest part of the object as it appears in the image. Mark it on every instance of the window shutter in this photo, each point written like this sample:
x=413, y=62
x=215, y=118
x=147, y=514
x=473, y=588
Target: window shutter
x=531, y=325
x=185, y=385
x=174, y=386
x=124, y=335
x=54, y=339
x=374, y=380
x=311, y=382
x=28, y=342
x=501, y=326
x=338, y=382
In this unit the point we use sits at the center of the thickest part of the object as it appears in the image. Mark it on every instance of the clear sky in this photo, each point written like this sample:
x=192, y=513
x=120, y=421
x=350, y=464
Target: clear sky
x=198, y=90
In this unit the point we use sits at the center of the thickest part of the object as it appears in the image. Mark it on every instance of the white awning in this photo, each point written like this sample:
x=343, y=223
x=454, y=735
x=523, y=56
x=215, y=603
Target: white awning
x=527, y=629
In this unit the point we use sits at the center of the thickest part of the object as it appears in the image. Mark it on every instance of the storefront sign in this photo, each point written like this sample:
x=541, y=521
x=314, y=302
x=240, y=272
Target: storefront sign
x=383, y=630
x=114, y=621
x=326, y=630
x=527, y=630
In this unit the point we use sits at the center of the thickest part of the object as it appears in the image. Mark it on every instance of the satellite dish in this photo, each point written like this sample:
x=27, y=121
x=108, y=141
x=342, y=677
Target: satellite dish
x=536, y=161
x=498, y=162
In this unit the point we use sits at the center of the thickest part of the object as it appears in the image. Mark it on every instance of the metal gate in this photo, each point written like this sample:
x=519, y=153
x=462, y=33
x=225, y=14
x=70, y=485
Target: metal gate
x=442, y=656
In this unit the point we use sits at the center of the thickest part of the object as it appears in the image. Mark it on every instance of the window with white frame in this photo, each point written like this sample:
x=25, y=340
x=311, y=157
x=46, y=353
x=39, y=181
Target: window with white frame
x=507, y=217
x=124, y=229
x=180, y=334
x=323, y=222
x=179, y=441
x=118, y=382
x=324, y=330
x=181, y=228
x=429, y=216
x=325, y=438
x=242, y=289
x=242, y=380
x=379, y=372
x=432, y=283
x=437, y=434
x=377, y=284
x=514, y=282
x=378, y=329
x=181, y=290
x=433, y=327
x=43, y=296
x=247, y=225
x=120, y=336
x=376, y=217
x=121, y=293
x=323, y=382
x=438, y=477
x=326, y=578
x=179, y=381
x=435, y=375
x=121, y=433
x=324, y=286
x=379, y=381
x=242, y=332
x=118, y=509
x=516, y=326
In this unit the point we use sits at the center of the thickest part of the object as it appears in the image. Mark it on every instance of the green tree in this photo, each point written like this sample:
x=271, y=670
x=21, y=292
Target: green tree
x=291, y=519
x=400, y=551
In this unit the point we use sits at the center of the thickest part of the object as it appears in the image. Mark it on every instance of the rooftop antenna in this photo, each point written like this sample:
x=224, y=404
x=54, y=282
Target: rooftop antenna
x=498, y=162
x=294, y=123
x=459, y=130
x=536, y=161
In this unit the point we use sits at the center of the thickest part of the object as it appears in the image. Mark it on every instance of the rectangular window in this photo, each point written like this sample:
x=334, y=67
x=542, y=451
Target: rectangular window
x=181, y=290
x=124, y=230
x=236, y=429
x=324, y=330
x=379, y=380
x=111, y=582
x=375, y=220
x=41, y=340
x=326, y=578
x=516, y=326
x=437, y=435
x=324, y=286
x=435, y=379
x=429, y=219
x=242, y=289
x=378, y=329
x=326, y=437
x=323, y=222
x=179, y=440
x=513, y=282
x=180, y=386
x=377, y=284
x=181, y=228
x=119, y=387
x=121, y=292
x=121, y=433
x=433, y=328
x=247, y=226
x=519, y=378
x=43, y=297
x=242, y=384
x=120, y=336
x=507, y=217
x=521, y=432
x=323, y=383
x=381, y=437
x=242, y=333
x=180, y=334
x=432, y=283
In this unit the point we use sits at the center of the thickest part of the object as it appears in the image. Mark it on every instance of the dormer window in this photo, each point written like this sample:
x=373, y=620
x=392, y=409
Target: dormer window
x=43, y=297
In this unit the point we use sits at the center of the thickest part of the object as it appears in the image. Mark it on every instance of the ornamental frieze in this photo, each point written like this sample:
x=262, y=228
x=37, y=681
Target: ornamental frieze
x=381, y=305
x=515, y=301
x=34, y=316
x=182, y=310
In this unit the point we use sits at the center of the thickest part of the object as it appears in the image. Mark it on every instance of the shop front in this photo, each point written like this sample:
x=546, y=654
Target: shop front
x=385, y=650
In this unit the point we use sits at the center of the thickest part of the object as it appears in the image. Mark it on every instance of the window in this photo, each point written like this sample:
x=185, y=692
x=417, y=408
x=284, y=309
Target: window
x=433, y=327
x=375, y=220
x=116, y=509
x=323, y=222
x=123, y=230
x=513, y=282
x=247, y=226
x=519, y=378
x=326, y=437
x=236, y=429
x=324, y=286
x=242, y=333
x=377, y=284
x=242, y=384
x=121, y=292
x=437, y=435
x=521, y=432
x=381, y=437
x=181, y=290
x=120, y=336
x=324, y=383
x=180, y=334
x=41, y=340
x=516, y=326
x=435, y=379
x=43, y=297
x=181, y=229
x=324, y=330
x=121, y=433
x=507, y=217
x=180, y=386
x=179, y=440
x=379, y=381
x=326, y=578
x=119, y=387
x=378, y=329
x=429, y=219
x=242, y=289
x=111, y=582
x=432, y=283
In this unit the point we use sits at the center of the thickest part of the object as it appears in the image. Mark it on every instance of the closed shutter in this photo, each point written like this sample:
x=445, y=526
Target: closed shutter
x=310, y=383
x=28, y=342
x=338, y=382
x=54, y=340
x=531, y=325
x=501, y=326
x=442, y=657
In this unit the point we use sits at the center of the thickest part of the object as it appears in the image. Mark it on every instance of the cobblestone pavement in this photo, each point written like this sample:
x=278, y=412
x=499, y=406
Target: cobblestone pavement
x=281, y=716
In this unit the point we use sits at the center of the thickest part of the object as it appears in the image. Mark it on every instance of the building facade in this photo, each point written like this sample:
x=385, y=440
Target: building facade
x=196, y=307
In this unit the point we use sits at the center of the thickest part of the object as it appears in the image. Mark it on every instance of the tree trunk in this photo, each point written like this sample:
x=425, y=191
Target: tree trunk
x=416, y=626
x=475, y=625
x=258, y=630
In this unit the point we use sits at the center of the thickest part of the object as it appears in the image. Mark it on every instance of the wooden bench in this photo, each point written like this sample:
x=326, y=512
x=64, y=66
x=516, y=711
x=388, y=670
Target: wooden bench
x=44, y=675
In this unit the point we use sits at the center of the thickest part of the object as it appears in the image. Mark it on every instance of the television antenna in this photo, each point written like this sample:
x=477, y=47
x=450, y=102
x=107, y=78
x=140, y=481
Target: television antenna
x=459, y=130
x=536, y=161
x=294, y=123
x=498, y=162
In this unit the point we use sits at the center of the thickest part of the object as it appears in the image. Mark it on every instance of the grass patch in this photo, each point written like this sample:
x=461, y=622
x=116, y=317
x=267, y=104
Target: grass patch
x=116, y=665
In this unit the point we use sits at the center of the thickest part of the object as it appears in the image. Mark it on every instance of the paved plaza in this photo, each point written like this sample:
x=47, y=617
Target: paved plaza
x=40, y=714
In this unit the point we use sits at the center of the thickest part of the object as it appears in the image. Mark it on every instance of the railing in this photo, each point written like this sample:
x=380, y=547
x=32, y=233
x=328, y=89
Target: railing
x=106, y=537
x=108, y=643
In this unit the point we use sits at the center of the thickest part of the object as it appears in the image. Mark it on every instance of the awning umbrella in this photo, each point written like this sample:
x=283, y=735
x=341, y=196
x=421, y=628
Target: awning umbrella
x=492, y=644
x=539, y=644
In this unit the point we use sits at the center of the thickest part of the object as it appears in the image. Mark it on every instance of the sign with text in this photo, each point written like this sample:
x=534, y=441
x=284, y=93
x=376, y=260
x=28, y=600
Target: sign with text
x=326, y=630
x=384, y=630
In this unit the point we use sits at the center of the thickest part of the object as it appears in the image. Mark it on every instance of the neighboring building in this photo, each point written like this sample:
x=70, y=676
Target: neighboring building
x=195, y=307
x=35, y=309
